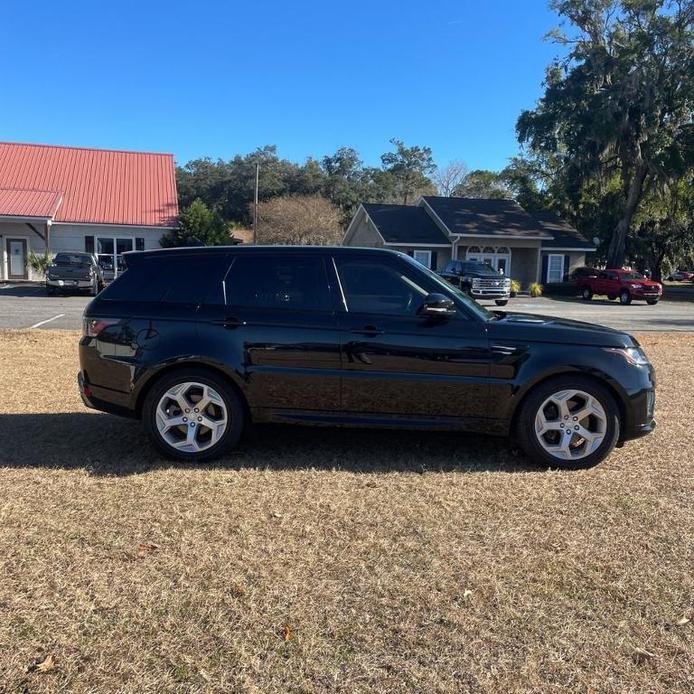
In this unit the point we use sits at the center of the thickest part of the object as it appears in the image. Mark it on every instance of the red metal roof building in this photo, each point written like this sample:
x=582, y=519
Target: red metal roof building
x=78, y=198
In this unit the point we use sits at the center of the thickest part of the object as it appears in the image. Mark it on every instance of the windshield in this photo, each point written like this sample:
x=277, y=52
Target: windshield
x=633, y=275
x=71, y=259
x=469, y=268
x=448, y=288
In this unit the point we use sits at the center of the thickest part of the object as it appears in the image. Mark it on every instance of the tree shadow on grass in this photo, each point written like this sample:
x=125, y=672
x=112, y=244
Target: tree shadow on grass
x=109, y=445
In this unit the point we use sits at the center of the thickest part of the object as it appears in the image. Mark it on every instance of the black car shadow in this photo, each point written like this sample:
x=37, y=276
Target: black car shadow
x=109, y=445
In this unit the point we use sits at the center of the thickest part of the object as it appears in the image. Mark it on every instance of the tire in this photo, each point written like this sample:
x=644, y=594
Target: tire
x=536, y=404
x=501, y=302
x=235, y=415
x=587, y=293
x=94, y=289
x=651, y=302
x=624, y=298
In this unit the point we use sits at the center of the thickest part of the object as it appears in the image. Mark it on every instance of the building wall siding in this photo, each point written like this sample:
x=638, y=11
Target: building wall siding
x=365, y=234
x=69, y=237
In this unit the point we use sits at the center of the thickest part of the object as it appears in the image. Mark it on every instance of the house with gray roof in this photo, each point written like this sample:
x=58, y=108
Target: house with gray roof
x=528, y=247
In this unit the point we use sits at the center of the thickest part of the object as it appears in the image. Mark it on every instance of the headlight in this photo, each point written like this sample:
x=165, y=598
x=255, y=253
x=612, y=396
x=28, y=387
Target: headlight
x=633, y=285
x=634, y=355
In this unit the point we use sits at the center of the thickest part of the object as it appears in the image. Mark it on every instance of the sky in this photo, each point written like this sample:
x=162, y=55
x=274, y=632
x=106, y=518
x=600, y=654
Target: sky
x=202, y=78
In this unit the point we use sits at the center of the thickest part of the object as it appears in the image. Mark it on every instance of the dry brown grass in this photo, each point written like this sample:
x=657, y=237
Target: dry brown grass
x=315, y=560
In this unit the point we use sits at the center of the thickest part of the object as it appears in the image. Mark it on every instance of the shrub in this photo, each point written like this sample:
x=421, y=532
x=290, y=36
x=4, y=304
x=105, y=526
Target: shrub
x=535, y=289
x=515, y=287
x=39, y=263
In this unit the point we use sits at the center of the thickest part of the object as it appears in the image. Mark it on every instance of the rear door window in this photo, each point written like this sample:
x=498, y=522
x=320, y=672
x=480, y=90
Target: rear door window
x=282, y=281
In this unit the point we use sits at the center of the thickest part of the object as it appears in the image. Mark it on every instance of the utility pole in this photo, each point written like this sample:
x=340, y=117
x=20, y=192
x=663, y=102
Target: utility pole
x=255, y=205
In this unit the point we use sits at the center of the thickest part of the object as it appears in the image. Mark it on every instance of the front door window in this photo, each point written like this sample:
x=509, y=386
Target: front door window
x=17, y=251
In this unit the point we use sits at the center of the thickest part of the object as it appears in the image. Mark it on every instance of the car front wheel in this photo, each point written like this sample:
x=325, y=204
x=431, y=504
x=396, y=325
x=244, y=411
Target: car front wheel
x=193, y=415
x=651, y=302
x=568, y=422
x=501, y=302
x=624, y=298
x=587, y=294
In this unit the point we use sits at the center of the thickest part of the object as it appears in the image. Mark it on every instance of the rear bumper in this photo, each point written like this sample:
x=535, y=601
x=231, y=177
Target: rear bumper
x=70, y=284
x=102, y=399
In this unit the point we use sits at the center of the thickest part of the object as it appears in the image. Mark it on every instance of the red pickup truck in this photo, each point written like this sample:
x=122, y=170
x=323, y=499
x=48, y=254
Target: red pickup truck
x=625, y=284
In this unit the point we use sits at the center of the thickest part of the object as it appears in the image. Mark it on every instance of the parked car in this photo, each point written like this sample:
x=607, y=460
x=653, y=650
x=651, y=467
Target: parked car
x=623, y=284
x=74, y=271
x=198, y=342
x=681, y=276
x=479, y=280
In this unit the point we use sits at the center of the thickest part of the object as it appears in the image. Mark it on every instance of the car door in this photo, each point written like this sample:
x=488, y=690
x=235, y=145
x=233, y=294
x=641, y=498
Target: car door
x=398, y=363
x=277, y=327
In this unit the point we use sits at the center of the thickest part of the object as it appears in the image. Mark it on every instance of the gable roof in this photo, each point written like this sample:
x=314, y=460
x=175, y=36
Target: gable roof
x=16, y=202
x=96, y=186
x=563, y=234
x=405, y=224
x=485, y=217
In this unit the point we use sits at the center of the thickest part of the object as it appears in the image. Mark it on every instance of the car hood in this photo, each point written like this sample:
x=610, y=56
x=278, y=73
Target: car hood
x=643, y=283
x=533, y=328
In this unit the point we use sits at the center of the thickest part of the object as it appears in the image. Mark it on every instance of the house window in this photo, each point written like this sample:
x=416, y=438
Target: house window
x=110, y=251
x=555, y=268
x=423, y=257
x=499, y=257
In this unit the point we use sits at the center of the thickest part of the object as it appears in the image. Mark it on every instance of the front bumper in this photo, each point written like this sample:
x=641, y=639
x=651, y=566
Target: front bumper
x=490, y=294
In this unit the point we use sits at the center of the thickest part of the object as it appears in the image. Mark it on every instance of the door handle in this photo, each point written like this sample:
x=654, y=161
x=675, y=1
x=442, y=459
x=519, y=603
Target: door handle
x=506, y=350
x=229, y=322
x=368, y=331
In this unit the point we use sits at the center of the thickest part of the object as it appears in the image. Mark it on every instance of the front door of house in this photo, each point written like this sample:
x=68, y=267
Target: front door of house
x=17, y=259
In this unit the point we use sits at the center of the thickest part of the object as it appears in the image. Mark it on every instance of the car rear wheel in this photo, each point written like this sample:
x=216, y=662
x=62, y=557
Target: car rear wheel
x=624, y=298
x=568, y=422
x=501, y=302
x=193, y=415
x=587, y=293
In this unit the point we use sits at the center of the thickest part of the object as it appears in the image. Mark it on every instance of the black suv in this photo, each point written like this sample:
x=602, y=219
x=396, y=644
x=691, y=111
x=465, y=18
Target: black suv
x=479, y=280
x=199, y=341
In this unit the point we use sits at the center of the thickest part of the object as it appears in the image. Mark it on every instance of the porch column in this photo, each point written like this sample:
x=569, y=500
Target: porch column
x=48, y=235
x=538, y=268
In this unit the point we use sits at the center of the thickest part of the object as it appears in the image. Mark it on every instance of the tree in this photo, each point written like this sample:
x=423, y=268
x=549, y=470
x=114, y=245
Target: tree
x=449, y=177
x=664, y=235
x=300, y=220
x=198, y=224
x=409, y=167
x=621, y=103
x=525, y=180
x=482, y=184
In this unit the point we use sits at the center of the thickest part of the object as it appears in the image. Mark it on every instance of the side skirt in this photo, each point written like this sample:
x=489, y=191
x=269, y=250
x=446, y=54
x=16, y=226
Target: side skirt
x=381, y=421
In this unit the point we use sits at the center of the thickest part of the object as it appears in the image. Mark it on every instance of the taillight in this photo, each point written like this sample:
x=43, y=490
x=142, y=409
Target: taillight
x=93, y=326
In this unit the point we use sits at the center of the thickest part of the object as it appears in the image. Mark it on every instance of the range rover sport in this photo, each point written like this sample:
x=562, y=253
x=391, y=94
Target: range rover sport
x=197, y=342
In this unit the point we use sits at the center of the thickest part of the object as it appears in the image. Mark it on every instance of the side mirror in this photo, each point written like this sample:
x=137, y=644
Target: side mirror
x=436, y=305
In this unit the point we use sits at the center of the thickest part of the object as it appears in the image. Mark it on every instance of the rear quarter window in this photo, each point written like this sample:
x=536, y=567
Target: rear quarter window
x=182, y=279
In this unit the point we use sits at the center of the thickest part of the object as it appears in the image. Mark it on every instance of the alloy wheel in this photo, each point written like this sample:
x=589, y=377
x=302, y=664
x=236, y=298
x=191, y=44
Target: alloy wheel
x=570, y=424
x=191, y=417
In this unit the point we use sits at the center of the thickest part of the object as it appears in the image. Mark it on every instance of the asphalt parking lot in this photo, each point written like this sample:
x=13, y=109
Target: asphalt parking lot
x=27, y=306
